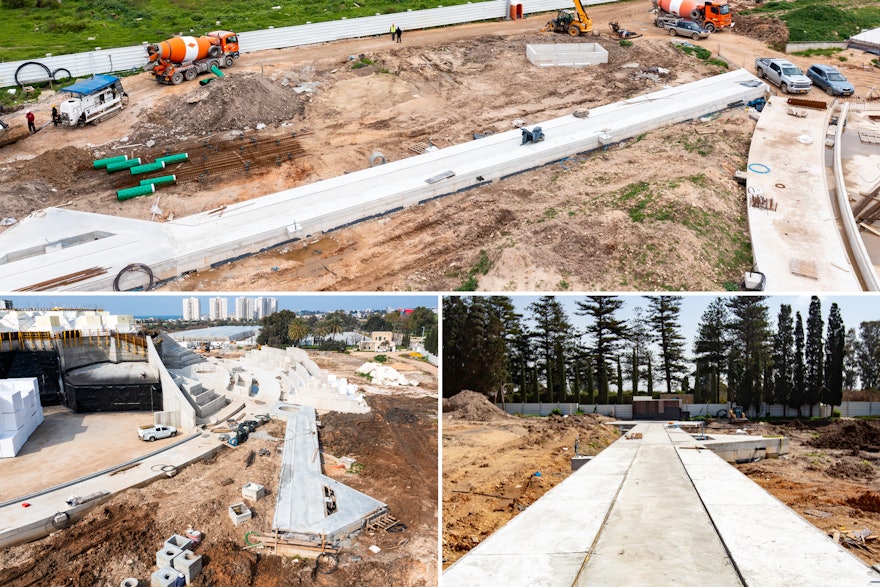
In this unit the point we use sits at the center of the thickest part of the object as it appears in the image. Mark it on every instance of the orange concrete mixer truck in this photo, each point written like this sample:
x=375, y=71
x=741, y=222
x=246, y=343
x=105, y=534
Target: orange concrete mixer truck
x=183, y=58
x=712, y=16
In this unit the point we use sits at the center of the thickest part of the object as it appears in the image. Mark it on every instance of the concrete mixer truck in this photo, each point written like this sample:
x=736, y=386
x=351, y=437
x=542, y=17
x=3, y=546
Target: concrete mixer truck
x=712, y=16
x=183, y=58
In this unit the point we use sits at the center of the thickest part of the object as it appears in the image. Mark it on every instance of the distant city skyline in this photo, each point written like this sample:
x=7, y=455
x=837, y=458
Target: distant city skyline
x=161, y=304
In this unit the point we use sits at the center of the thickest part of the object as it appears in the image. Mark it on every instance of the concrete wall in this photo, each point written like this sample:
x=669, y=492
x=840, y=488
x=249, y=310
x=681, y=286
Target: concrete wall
x=20, y=413
x=127, y=58
x=176, y=410
x=566, y=55
x=795, y=47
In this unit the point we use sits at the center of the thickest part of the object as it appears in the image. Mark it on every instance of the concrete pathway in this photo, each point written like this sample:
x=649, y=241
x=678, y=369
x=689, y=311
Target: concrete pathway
x=657, y=511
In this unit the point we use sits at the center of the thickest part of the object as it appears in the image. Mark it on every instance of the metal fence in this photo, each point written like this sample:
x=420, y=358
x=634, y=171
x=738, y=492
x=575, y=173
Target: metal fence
x=129, y=58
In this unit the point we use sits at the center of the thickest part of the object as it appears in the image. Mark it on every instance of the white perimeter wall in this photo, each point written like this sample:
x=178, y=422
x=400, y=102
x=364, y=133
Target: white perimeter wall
x=176, y=410
x=624, y=411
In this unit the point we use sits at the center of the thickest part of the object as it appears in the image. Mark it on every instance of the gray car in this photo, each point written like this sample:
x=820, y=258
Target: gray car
x=685, y=28
x=830, y=79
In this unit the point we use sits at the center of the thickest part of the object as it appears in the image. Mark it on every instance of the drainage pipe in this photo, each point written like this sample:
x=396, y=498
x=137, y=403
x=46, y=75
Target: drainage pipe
x=147, y=168
x=119, y=166
x=102, y=163
x=159, y=180
x=175, y=158
x=216, y=71
x=138, y=190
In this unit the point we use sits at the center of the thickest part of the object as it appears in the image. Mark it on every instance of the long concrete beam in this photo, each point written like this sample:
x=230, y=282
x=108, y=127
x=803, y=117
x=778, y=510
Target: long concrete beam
x=59, y=249
x=657, y=510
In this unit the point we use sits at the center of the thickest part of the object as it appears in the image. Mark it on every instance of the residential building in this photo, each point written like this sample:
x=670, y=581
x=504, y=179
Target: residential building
x=191, y=309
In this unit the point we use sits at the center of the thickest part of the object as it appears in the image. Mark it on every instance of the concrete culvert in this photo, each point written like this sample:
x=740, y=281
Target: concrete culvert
x=130, y=582
x=377, y=158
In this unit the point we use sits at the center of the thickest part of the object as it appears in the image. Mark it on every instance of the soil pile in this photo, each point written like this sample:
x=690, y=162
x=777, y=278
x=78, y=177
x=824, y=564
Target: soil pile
x=851, y=470
x=58, y=167
x=868, y=501
x=853, y=435
x=230, y=103
x=470, y=405
x=772, y=31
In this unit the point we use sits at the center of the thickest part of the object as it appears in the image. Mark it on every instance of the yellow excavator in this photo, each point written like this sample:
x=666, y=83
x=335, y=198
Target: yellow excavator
x=567, y=21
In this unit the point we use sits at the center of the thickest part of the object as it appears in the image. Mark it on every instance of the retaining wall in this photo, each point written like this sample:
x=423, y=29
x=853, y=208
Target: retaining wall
x=176, y=409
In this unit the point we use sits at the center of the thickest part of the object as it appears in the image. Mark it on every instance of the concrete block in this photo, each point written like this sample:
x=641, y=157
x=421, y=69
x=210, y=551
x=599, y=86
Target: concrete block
x=239, y=513
x=181, y=542
x=130, y=582
x=164, y=577
x=165, y=556
x=253, y=491
x=188, y=563
x=10, y=401
x=12, y=422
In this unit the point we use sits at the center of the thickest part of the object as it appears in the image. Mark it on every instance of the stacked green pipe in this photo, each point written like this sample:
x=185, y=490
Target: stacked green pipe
x=159, y=180
x=138, y=190
x=102, y=163
x=147, y=168
x=175, y=158
x=120, y=165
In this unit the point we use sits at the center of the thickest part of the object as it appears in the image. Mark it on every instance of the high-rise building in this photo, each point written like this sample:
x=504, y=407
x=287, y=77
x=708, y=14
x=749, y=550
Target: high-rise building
x=191, y=309
x=243, y=308
x=265, y=306
x=218, y=309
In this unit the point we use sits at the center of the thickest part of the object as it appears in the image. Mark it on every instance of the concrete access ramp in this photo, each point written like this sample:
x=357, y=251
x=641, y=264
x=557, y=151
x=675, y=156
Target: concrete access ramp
x=58, y=249
x=657, y=510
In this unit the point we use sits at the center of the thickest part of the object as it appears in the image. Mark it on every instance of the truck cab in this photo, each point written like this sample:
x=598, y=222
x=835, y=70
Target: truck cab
x=716, y=16
x=228, y=42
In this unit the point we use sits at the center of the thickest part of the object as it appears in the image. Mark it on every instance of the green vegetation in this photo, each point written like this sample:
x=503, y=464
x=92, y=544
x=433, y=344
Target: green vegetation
x=814, y=52
x=33, y=28
x=820, y=20
x=481, y=267
x=380, y=358
x=362, y=62
x=625, y=43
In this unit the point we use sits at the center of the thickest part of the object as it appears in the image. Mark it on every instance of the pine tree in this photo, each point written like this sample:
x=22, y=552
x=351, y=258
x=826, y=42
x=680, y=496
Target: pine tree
x=551, y=329
x=783, y=358
x=798, y=396
x=834, y=349
x=639, y=338
x=663, y=316
x=868, y=354
x=814, y=355
x=607, y=333
x=850, y=359
x=619, y=382
x=711, y=345
x=749, y=347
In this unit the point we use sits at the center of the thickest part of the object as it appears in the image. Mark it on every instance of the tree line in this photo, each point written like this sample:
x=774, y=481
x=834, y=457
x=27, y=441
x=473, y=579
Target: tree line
x=286, y=328
x=738, y=354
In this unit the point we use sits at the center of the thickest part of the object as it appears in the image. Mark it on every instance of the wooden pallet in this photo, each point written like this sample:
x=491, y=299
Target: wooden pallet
x=805, y=268
x=383, y=522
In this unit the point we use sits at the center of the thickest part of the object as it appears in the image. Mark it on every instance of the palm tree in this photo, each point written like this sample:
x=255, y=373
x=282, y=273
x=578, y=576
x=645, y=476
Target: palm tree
x=297, y=330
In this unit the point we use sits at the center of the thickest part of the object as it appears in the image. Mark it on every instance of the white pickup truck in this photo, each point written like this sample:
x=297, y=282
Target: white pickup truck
x=151, y=433
x=784, y=74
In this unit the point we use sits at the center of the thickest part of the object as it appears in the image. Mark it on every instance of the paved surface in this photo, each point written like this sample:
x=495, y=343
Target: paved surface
x=799, y=245
x=55, y=242
x=658, y=511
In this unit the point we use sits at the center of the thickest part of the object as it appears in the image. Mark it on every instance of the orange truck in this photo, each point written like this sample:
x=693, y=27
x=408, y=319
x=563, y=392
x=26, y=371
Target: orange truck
x=183, y=58
x=712, y=16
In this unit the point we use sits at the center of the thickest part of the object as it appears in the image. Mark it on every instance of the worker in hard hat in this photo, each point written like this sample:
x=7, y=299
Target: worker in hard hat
x=56, y=117
x=32, y=127
x=181, y=580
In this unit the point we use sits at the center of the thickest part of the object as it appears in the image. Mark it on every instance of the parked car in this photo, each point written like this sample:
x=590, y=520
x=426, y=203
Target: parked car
x=830, y=79
x=151, y=433
x=685, y=28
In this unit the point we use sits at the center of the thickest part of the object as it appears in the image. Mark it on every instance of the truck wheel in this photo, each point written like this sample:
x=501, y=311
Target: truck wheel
x=760, y=73
x=228, y=61
x=574, y=31
x=671, y=32
x=190, y=74
x=151, y=438
x=695, y=36
x=709, y=27
x=784, y=88
x=176, y=78
x=174, y=433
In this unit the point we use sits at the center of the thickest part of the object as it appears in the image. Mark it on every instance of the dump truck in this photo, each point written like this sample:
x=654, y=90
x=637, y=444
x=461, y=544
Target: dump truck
x=184, y=58
x=712, y=16
x=783, y=73
x=567, y=21
x=92, y=100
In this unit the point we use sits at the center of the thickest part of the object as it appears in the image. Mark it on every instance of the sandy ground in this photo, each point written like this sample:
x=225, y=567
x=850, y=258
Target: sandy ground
x=396, y=443
x=564, y=226
x=484, y=486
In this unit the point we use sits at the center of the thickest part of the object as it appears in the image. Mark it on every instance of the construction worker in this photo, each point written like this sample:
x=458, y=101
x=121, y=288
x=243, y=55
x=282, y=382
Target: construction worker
x=393, y=31
x=399, y=33
x=180, y=581
x=32, y=127
x=56, y=117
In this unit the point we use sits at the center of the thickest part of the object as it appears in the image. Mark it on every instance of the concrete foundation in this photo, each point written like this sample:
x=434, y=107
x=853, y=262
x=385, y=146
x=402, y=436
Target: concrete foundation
x=239, y=513
x=164, y=577
x=253, y=491
x=566, y=54
x=165, y=556
x=188, y=563
x=181, y=542
x=89, y=251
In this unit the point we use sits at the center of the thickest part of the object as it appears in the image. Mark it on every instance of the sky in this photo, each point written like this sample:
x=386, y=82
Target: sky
x=160, y=304
x=854, y=308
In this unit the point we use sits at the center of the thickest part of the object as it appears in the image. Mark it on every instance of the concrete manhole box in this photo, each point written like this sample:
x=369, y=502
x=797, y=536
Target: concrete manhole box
x=566, y=54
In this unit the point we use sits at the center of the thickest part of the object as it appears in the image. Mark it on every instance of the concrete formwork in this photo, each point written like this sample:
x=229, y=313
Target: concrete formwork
x=88, y=251
x=566, y=54
x=655, y=510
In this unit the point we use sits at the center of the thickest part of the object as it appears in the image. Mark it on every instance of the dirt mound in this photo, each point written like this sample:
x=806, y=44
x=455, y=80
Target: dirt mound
x=854, y=434
x=470, y=405
x=400, y=416
x=868, y=501
x=233, y=102
x=58, y=167
x=772, y=31
x=851, y=470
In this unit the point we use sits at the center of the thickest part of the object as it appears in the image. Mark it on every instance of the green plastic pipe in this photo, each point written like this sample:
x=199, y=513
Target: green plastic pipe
x=138, y=190
x=216, y=71
x=175, y=158
x=159, y=180
x=102, y=163
x=128, y=164
x=147, y=168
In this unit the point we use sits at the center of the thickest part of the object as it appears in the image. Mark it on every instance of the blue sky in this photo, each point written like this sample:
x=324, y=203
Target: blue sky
x=854, y=308
x=160, y=304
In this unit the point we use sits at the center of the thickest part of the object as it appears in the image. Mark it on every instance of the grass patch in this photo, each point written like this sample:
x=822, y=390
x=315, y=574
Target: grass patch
x=820, y=20
x=814, y=52
x=362, y=62
x=625, y=43
x=380, y=358
x=481, y=267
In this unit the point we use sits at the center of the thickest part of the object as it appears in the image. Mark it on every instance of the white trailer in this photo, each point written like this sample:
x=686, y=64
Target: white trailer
x=91, y=100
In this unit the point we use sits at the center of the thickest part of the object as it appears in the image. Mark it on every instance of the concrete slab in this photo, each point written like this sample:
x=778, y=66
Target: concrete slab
x=798, y=246
x=87, y=251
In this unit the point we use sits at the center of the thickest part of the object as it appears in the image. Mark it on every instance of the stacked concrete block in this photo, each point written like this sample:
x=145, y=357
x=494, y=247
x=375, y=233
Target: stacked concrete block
x=188, y=563
x=181, y=542
x=253, y=491
x=166, y=554
x=164, y=577
x=20, y=413
x=239, y=513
